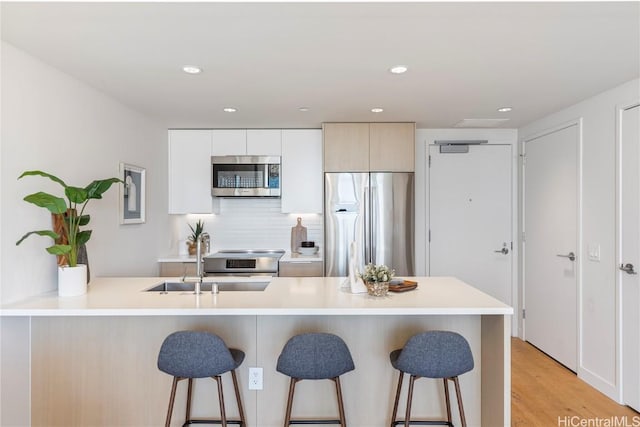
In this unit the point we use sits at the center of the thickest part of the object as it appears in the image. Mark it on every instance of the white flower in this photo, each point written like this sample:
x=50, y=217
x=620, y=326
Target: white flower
x=377, y=273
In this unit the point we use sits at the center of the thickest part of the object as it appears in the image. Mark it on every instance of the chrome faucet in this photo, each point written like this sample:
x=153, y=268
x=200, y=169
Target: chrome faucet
x=199, y=266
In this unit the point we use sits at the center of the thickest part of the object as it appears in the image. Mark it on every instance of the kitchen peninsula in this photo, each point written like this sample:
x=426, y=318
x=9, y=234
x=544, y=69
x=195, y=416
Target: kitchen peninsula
x=93, y=358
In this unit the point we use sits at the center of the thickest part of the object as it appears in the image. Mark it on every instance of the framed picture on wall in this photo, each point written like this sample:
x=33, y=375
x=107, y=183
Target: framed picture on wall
x=132, y=194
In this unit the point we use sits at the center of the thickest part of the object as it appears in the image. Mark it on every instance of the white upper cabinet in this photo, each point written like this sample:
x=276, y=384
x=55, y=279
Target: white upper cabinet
x=264, y=142
x=301, y=171
x=229, y=142
x=241, y=142
x=189, y=171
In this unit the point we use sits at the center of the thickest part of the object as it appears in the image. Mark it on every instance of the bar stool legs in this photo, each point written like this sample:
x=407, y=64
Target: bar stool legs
x=223, y=415
x=238, y=399
x=315, y=356
x=407, y=420
x=343, y=421
x=459, y=397
x=287, y=418
x=171, y=400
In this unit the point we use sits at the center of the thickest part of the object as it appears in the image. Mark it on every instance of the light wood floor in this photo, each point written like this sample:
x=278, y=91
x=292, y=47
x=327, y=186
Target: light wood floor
x=543, y=390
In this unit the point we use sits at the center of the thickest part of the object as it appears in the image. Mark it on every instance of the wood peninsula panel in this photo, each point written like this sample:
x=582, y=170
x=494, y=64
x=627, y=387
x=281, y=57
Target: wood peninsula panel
x=346, y=147
x=392, y=147
x=102, y=371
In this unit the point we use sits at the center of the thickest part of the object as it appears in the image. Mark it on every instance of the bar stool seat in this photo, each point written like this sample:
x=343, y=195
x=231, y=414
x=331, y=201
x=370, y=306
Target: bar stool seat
x=315, y=356
x=433, y=354
x=190, y=355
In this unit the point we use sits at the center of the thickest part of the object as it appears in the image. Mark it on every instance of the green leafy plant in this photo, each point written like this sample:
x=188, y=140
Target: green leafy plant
x=196, y=232
x=377, y=273
x=77, y=199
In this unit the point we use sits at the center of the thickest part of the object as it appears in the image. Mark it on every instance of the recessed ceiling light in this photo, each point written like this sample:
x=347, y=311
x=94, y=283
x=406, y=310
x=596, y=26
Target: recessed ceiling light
x=377, y=110
x=229, y=110
x=303, y=109
x=505, y=109
x=398, y=69
x=191, y=69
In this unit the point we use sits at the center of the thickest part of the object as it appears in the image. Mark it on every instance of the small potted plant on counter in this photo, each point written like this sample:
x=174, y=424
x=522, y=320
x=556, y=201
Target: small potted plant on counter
x=193, y=238
x=376, y=278
x=72, y=277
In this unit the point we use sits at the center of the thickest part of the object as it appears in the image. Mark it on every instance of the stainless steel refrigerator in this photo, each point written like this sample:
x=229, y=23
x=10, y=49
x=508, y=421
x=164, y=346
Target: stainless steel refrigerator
x=374, y=209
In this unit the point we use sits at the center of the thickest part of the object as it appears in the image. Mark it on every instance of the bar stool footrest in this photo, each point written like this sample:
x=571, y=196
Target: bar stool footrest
x=314, y=422
x=425, y=423
x=188, y=423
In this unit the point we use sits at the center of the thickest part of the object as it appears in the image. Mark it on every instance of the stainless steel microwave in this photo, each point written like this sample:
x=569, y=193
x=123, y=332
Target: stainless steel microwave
x=245, y=176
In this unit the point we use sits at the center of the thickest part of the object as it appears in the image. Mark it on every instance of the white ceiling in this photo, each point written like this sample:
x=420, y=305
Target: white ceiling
x=268, y=59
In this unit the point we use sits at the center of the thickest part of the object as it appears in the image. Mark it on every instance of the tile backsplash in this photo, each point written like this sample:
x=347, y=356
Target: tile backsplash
x=247, y=224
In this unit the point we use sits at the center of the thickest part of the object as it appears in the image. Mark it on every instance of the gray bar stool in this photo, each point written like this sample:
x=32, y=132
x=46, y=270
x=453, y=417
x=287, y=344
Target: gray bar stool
x=315, y=356
x=434, y=354
x=191, y=354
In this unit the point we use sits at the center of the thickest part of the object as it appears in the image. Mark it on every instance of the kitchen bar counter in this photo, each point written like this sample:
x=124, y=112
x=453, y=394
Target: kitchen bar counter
x=91, y=360
x=283, y=296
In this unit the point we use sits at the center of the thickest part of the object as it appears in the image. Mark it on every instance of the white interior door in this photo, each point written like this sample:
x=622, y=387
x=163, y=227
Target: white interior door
x=470, y=217
x=629, y=261
x=551, y=243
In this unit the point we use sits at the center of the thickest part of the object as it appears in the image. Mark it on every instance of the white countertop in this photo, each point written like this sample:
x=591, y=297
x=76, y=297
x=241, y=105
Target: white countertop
x=287, y=257
x=283, y=296
x=178, y=258
x=296, y=257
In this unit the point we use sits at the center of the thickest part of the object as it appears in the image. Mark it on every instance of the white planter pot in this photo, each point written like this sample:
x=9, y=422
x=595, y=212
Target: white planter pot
x=72, y=281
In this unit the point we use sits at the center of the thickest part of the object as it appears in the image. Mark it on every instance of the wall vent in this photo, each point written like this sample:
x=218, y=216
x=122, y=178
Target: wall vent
x=480, y=123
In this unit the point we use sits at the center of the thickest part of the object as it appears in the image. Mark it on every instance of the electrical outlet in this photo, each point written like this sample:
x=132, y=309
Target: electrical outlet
x=255, y=378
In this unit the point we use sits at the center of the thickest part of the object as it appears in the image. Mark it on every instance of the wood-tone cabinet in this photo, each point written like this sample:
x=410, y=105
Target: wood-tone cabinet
x=364, y=147
x=301, y=171
x=346, y=147
x=189, y=171
x=392, y=147
x=300, y=269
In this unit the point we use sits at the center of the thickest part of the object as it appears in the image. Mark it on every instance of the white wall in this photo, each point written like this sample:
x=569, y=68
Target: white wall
x=599, y=348
x=53, y=122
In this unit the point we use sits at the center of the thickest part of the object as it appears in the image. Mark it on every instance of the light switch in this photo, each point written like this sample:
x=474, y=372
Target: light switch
x=593, y=251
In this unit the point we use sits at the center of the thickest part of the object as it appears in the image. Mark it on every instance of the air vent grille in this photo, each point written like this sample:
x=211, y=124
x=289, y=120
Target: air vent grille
x=480, y=123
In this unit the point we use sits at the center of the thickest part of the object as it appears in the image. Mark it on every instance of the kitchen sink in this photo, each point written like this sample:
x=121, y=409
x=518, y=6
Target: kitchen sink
x=206, y=286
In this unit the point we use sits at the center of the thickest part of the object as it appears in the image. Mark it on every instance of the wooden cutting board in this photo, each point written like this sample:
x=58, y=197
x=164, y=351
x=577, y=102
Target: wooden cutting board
x=405, y=285
x=298, y=235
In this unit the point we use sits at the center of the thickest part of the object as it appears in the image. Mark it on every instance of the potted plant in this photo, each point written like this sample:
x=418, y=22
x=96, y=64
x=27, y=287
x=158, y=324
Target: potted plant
x=193, y=238
x=376, y=278
x=72, y=277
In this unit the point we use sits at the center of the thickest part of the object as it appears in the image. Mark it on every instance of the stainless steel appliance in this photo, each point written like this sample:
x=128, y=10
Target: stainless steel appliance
x=245, y=176
x=243, y=263
x=374, y=209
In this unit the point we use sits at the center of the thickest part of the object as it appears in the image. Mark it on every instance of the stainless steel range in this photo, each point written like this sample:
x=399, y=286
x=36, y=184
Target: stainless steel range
x=262, y=262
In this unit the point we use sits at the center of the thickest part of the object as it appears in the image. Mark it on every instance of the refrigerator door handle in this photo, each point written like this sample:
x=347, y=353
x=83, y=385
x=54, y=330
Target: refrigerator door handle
x=374, y=227
x=367, y=225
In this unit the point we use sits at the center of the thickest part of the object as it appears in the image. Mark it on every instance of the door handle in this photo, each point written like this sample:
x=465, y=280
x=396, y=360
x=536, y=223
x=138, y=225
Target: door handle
x=628, y=268
x=503, y=251
x=570, y=255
